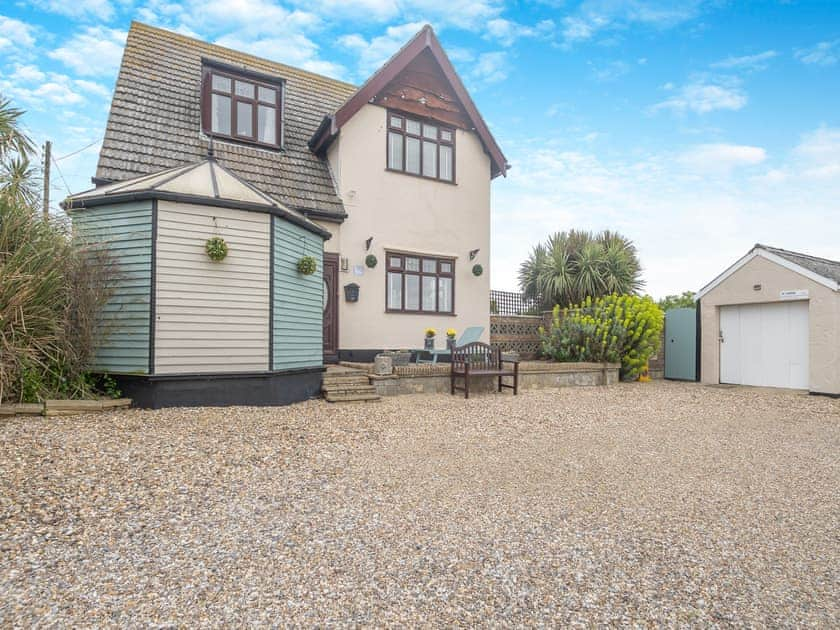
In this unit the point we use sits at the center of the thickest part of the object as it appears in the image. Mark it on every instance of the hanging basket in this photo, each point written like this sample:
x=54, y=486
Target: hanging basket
x=477, y=270
x=370, y=261
x=216, y=248
x=307, y=265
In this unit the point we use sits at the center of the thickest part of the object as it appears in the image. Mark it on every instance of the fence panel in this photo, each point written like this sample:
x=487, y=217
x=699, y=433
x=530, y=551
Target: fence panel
x=512, y=303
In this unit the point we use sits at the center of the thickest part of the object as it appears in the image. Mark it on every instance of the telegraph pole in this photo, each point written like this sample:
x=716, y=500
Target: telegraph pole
x=47, y=158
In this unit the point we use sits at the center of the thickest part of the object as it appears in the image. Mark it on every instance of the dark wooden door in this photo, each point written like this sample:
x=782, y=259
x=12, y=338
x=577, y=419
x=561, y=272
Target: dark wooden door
x=331, y=308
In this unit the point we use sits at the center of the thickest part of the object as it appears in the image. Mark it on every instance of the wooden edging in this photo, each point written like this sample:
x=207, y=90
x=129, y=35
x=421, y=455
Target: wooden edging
x=63, y=407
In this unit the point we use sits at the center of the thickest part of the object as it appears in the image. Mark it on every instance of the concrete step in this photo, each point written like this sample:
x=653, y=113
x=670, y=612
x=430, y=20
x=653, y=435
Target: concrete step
x=354, y=397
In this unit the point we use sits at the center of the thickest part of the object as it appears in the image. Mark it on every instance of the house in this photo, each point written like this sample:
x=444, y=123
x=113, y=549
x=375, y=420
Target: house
x=386, y=185
x=773, y=319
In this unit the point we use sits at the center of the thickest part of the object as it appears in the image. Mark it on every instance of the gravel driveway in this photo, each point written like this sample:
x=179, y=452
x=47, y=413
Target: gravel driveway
x=654, y=503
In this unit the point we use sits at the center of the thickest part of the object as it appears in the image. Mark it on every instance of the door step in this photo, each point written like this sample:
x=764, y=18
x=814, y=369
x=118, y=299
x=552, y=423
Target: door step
x=347, y=385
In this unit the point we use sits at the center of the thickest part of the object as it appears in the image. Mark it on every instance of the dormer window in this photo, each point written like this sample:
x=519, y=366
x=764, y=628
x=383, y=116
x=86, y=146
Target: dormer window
x=242, y=106
x=422, y=148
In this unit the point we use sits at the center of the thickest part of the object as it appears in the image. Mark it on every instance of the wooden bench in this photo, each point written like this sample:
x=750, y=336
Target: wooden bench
x=481, y=359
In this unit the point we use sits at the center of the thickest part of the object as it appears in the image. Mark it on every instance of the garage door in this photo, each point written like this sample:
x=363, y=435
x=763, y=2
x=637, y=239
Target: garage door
x=765, y=344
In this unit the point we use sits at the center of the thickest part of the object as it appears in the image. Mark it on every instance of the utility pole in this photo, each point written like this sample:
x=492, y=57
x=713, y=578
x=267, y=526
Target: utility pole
x=47, y=158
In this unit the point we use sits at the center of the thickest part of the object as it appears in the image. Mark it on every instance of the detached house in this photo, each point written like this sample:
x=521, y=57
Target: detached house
x=386, y=187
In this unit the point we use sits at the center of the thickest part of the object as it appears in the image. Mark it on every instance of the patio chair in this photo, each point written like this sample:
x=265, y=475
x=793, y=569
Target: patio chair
x=470, y=335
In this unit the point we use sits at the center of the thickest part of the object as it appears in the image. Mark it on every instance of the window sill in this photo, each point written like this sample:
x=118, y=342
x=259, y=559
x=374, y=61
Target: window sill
x=217, y=137
x=423, y=177
x=427, y=313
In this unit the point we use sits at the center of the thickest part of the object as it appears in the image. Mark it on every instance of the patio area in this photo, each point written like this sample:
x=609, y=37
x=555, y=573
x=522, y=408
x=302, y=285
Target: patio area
x=659, y=503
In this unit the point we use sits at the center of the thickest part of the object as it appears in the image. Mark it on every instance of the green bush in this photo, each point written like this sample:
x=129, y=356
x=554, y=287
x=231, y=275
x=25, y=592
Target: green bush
x=52, y=290
x=613, y=328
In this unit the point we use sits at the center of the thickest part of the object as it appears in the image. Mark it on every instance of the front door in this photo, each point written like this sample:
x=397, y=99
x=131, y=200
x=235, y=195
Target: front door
x=330, y=308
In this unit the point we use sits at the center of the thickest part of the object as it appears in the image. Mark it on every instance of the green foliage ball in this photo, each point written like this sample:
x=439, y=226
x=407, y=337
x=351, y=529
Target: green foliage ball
x=307, y=265
x=216, y=248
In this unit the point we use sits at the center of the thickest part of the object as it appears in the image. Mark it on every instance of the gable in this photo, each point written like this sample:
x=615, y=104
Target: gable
x=423, y=89
x=418, y=69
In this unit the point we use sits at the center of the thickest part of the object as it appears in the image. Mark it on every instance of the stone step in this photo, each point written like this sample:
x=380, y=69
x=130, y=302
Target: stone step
x=345, y=380
x=349, y=388
x=344, y=398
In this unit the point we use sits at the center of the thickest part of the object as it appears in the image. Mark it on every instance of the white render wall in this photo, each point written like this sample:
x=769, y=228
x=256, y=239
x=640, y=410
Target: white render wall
x=410, y=214
x=211, y=317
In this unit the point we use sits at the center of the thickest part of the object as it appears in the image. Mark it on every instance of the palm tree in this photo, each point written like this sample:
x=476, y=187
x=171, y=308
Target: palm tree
x=18, y=179
x=573, y=265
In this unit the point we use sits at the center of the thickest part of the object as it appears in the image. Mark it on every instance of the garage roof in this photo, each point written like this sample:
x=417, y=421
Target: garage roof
x=821, y=270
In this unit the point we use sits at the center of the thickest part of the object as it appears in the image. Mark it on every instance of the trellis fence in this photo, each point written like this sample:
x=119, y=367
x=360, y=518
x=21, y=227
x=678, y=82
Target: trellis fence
x=511, y=303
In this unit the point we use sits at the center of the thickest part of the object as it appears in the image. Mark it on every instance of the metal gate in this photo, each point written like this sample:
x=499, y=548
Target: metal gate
x=681, y=344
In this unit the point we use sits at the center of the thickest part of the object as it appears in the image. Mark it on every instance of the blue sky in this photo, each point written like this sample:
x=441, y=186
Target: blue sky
x=695, y=128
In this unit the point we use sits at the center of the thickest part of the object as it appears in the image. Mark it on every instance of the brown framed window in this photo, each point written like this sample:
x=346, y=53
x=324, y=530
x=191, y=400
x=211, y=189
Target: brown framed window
x=415, y=283
x=419, y=147
x=242, y=107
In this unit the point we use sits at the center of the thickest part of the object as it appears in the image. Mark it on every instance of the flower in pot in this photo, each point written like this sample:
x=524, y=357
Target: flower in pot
x=430, y=339
x=450, y=338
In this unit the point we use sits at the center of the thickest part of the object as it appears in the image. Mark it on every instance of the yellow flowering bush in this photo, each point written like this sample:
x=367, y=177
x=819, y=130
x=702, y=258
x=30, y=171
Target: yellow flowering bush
x=613, y=328
x=451, y=332
x=431, y=332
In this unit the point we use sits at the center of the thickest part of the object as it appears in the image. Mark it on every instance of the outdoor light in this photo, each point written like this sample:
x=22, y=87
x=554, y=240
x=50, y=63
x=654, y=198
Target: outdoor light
x=367, y=243
x=474, y=253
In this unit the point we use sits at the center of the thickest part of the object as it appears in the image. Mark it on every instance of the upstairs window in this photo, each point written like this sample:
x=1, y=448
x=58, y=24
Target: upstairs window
x=242, y=107
x=420, y=148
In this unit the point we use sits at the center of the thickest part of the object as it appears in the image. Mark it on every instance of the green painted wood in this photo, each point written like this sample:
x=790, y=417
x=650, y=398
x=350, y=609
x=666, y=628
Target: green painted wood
x=126, y=229
x=681, y=344
x=298, y=307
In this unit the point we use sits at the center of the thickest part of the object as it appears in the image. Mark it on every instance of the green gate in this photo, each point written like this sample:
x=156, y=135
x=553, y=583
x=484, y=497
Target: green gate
x=681, y=344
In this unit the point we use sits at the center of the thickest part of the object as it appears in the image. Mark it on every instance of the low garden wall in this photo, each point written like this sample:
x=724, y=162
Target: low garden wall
x=434, y=379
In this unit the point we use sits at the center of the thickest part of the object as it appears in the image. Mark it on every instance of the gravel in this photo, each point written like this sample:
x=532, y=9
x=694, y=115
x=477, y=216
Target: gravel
x=658, y=503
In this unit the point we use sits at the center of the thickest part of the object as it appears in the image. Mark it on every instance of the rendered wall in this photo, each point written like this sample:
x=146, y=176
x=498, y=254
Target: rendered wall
x=298, y=299
x=410, y=214
x=823, y=319
x=126, y=229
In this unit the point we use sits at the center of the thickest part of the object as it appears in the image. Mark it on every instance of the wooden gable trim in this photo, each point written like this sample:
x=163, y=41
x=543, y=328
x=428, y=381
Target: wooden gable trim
x=426, y=38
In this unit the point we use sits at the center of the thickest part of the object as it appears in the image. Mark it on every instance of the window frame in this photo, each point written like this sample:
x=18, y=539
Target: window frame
x=437, y=274
x=278, y=85
x=438, y=142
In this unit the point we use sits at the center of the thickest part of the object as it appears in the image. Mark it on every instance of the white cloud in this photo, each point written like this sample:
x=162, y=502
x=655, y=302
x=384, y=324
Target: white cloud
x=507, y=32
x=14, y=33
x=101, y=9
x=822, y=54
x=610, y=71
x=721, y=157
x=376, y=51
x=96, y=51
x=595, y=16
x=758, y=61
x=490, y=67
x=705, y=95
x=710, y=217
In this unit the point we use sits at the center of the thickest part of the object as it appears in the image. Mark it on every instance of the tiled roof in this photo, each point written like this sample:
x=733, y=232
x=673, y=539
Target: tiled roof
x=821, y=266
x=155, y=120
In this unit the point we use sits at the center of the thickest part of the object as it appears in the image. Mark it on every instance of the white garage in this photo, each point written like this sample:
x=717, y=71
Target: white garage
x=773, y=320
x=764, y=344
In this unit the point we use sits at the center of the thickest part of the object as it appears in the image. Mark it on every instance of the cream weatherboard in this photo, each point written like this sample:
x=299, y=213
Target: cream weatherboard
x=210, y=316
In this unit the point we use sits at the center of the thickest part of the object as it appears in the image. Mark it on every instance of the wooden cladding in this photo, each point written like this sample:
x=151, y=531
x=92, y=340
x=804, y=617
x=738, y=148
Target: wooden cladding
x=423, y=89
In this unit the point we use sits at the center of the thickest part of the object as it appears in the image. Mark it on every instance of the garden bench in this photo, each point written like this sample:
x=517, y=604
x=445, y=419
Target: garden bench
x=481, y=359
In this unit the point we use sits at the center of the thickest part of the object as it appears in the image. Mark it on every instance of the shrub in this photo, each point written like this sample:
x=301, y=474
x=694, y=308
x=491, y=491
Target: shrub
x=571, y=266
x=623, y=328
x=51, y=292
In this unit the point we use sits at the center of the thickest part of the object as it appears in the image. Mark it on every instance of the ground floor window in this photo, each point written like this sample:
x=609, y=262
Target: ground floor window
x=417, y=283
